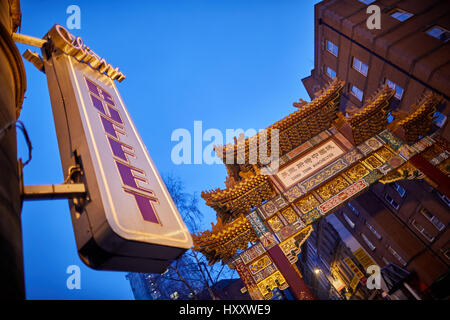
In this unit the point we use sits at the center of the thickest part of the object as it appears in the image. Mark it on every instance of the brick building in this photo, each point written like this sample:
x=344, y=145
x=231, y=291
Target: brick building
x=405, y=222
x=366, y=59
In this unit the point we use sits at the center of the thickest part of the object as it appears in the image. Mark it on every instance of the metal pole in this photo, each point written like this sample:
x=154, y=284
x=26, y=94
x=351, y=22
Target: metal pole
x=29, y=40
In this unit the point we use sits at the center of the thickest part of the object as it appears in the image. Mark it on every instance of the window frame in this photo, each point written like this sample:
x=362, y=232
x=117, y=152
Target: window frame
x=444, y=31
x=401, y=13
x=396, y=186
x=445, y=252
x=440, y=119
x=354, y=94
x=359, y=66
x=444, y=198
x=328, y=74
x=334, y=46
x=374, y=231
x=391, y=84
x=422, y=230
x=368, y=242
x=390, y=201
x=397, y=256
x=349, y=221
x=432, y=218
x=355, y=211
x=386, y=261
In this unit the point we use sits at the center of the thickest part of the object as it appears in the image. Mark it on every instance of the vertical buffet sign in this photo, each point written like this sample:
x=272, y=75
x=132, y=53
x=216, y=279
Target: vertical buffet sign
x=128, y=221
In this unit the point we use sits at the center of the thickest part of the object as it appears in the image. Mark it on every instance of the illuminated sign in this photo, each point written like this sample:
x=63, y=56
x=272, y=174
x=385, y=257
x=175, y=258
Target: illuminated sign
x=74, y=46
x=310, y=163
x=128, y=221
x=354, y=268
x=122, y=153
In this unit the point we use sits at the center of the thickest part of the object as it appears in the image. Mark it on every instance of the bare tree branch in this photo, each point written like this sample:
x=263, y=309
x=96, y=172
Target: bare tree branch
x=186, y=275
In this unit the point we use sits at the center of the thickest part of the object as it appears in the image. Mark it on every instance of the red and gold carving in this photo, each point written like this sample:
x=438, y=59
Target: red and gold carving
x=333, y=187
x=307, y=203
x=275, y=280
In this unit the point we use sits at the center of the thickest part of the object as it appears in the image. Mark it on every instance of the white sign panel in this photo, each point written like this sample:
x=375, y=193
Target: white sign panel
x=130, y=215
x=310, y=163
x=137, y=204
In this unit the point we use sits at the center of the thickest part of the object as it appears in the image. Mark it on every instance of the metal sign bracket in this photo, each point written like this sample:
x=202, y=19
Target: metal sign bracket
x=53, y=191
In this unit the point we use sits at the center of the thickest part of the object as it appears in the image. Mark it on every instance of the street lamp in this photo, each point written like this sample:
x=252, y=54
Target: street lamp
x=317, y=271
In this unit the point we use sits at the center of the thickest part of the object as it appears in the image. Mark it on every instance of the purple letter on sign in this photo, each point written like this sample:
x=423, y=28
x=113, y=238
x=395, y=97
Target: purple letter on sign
x=113, y=124
x=145, y=205
x=118, y=150
x=129, y=179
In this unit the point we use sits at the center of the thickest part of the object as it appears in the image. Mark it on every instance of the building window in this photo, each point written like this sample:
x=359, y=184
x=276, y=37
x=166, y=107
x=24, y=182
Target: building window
x=371, y=228
x=355, y=211
x=399, y=189
x=446, y=252
x=360, y=66
x=439, y=119
x=367, y=241
x=391, y=201
x=343, y=272
x=390, y=117
x=386, y=261
x=444, y=198
x=332, y=48
x=356, y=92
x=349, y=221
x=401, y=15
x=422, y=230
x=396, y=87
x=397, y=256
x=439, y=33
x=433, y=219
x=331, y=73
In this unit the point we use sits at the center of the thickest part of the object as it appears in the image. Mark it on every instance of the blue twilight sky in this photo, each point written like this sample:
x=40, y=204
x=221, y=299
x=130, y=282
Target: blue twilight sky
x=230, y=64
